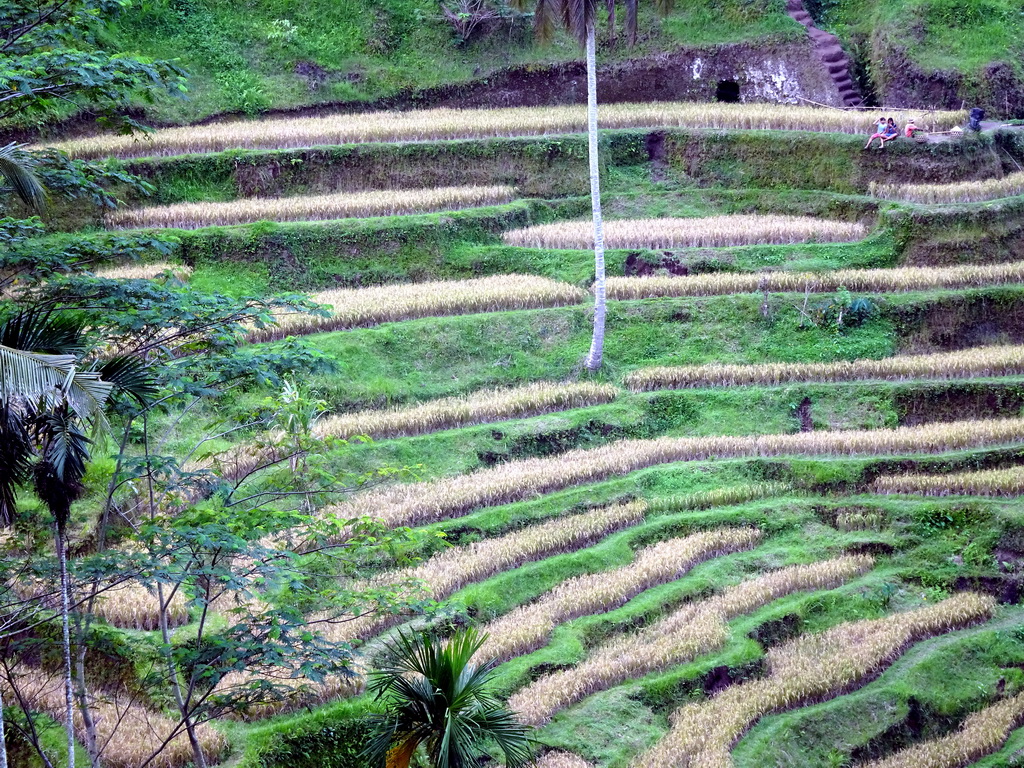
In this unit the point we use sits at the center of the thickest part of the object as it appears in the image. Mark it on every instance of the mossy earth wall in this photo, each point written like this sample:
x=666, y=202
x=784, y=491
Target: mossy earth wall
x=739, y=171
x=966, y=233
x=556, y=166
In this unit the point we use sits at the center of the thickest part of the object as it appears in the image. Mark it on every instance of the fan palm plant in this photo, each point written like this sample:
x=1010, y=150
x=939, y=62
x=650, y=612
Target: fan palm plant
x=579, y=18
x=17, y=169
x=46, y=407
x=437, y=697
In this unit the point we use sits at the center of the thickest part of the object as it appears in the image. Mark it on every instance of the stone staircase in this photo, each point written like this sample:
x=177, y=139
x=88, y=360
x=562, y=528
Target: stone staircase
x=831, y=53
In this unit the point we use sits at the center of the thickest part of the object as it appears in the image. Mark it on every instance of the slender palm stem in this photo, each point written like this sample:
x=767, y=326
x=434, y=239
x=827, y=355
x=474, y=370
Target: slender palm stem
x=3, y=743
x=65, y=611
x=596, y=354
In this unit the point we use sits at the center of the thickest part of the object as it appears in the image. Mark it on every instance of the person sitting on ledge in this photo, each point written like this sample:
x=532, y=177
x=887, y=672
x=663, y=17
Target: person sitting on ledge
x=890, y=132
x=880, y=126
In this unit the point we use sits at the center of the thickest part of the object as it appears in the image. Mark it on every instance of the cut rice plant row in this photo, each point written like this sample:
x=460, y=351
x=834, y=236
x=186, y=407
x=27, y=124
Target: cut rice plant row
x=132, y=605
x=446, y=413
x=806, y=669
x=127, y=730
x=562, y=760
x=338, y=205
x=958, y=192
x=431, y=501
x=361, y=307
x=678, y=638
x=981, y=734
x=438, y=124
x=477, y=408
x=127, y=604
x=877, y=280
x=298, y=692
x=966, y=363
x=528, y=627
x=452, y=569
x=987, y=482
x=145, y=271
x=710, y=232
x=718, y=497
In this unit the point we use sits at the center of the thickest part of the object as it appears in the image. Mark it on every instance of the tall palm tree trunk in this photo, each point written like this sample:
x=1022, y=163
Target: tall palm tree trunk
x=65, y=611
x=3, y=743
x=600, y=309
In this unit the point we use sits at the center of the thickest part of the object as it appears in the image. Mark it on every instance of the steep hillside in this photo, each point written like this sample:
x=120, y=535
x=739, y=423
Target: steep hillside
x=275, y=55
x=782, y=525
x=266, y=55
x=935, y=52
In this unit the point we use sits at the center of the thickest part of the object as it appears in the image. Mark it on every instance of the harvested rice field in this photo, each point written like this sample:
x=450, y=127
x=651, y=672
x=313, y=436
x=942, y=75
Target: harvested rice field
x=342, y=425
x=713, y=232
x=432, y=124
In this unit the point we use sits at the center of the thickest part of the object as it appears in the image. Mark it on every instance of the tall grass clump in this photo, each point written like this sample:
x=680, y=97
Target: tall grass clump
x=710, y=232
x=477, y=408
x=337, y=205
x=957, y=192
x=879, y=280
x=987, y=482
x=528, y=627
x=981, y=734
x=452, y=569
x=962, y=364
x=431, y=501
x=435, y=124
x=808, y=668
x=680, y=637
x=361, y=307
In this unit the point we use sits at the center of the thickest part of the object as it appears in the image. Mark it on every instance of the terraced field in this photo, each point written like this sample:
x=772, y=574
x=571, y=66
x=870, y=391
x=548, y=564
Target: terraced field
x=781, y=527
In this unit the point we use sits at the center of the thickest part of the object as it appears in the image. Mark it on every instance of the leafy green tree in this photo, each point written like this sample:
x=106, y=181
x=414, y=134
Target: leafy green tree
x=52, y=62
x=435, y=696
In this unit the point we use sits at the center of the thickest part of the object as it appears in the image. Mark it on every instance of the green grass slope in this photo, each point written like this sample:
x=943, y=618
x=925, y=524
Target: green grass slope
x=274, y=54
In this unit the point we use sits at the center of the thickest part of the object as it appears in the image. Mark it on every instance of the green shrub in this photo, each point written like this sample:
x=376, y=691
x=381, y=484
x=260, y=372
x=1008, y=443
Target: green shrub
x=332, y=737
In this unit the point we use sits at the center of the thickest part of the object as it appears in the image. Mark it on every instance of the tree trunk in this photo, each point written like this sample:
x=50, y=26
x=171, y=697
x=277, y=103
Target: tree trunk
x=3, y=743
x=65, y=611
x=175, y=681
x=83, y=698
x=597, y=342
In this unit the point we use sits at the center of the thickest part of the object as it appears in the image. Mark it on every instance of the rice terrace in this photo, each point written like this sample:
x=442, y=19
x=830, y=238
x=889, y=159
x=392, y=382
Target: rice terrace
x=472, y=383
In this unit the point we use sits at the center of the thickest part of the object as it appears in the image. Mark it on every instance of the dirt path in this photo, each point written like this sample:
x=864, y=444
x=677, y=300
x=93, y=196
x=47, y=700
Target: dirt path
x=830, y=52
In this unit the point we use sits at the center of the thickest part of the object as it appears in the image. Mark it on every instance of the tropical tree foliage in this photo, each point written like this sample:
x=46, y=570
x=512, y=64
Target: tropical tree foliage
x=51, y=62
x=46, y=407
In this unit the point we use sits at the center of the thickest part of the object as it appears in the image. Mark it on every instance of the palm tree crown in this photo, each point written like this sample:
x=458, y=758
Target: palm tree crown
x=18, y=169
x=46, y=403
x=436, y=696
